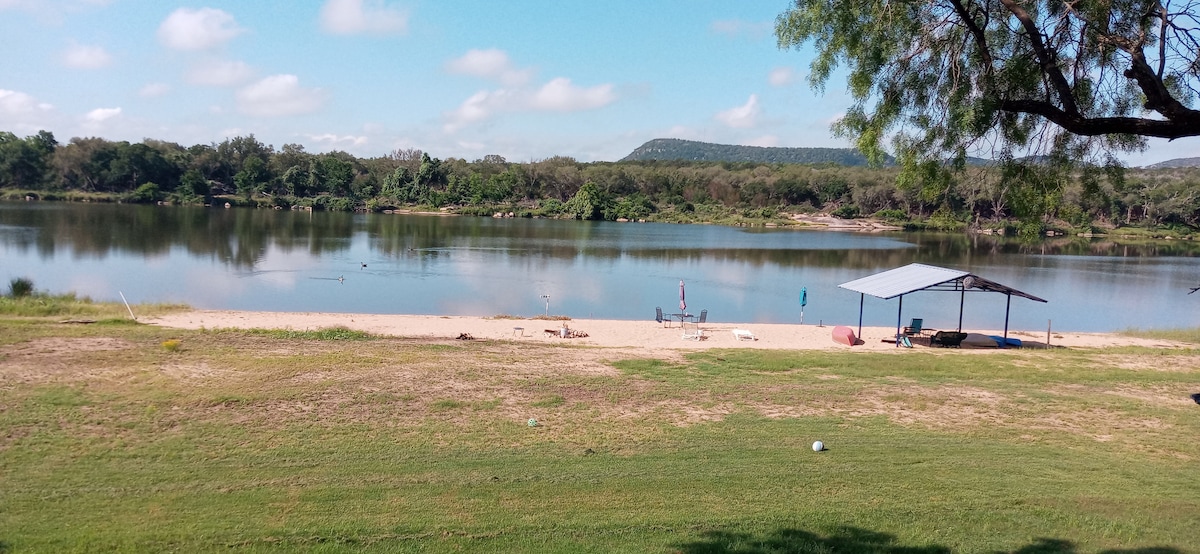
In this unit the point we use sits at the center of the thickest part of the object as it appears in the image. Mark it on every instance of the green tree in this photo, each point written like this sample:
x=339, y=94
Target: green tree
x=253, y=176
x=147, y=193
x=192, y=186
x=24, y=163
x=337, y=174
x=1075, y=79
x=588, y=203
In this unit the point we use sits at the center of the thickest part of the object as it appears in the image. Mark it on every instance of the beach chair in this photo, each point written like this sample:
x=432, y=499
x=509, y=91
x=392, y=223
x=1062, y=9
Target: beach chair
x=703, y=316
x=692, y=331
x=743, y=334
x=915, y=327
x=659, y=317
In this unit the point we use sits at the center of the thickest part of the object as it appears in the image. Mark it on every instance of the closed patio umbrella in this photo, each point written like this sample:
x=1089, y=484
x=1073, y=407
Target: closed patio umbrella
x=682, y=300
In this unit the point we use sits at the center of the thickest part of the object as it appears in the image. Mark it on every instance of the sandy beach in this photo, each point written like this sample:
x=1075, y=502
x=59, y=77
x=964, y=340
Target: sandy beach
x=647, y=334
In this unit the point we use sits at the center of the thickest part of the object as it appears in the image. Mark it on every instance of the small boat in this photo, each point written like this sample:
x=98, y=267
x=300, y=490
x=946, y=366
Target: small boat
x=845, y=335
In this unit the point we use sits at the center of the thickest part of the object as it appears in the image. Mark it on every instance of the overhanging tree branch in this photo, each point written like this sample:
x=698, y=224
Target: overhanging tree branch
x=940, y=75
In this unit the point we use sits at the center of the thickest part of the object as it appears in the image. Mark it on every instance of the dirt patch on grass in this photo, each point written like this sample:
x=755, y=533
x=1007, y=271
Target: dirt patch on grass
x=1157, y=396
x=48, y=359
x=199, y=371
x=1163, y=362
x=1098, y=423
x=934, y=407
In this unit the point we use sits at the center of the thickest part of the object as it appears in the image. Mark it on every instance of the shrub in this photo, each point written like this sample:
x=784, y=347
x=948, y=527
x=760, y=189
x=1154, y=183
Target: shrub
x=20, y=287
x=848, y=211
x=892, y=215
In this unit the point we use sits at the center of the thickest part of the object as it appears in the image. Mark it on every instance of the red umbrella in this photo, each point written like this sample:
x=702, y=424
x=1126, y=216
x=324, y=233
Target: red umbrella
x=682, y=302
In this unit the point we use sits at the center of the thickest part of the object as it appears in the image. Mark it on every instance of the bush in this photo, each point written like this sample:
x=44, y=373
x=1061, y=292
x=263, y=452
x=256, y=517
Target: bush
x=20, y=287
x=848, y=211
x=1031, y=230
x=148, y=193
x=943, y=219
x=892, y=215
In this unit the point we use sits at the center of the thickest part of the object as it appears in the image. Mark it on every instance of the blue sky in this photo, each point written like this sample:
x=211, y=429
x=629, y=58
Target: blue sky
x=526, y=79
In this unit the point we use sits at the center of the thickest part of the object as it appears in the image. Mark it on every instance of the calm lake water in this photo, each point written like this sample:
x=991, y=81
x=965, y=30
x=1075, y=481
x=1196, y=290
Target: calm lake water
x=417, y=264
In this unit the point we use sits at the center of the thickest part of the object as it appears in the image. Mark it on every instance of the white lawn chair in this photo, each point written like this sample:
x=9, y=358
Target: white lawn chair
x=692, y=331
x=743, y=334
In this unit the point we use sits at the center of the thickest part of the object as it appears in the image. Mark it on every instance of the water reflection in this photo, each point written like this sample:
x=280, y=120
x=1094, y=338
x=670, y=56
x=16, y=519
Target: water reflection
x=284, y=260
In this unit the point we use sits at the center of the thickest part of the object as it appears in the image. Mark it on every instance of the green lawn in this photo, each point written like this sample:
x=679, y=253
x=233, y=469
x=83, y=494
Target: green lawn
x=248, y=441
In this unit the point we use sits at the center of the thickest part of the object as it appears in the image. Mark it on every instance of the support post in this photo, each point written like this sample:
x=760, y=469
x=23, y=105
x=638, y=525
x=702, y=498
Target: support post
x=861, y=296
x=899, y=320
x=1007, y=305
x=962, y=300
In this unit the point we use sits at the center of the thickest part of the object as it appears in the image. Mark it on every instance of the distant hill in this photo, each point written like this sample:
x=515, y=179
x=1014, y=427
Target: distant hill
x=1177, y=162
x=690, y=150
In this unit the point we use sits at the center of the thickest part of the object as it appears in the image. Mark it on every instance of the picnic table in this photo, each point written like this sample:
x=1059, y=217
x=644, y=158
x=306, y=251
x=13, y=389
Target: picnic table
x=681, y=317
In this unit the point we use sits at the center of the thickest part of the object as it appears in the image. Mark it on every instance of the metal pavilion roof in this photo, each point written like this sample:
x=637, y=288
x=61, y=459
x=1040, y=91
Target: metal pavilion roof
x=903, y=280
x=917, y=277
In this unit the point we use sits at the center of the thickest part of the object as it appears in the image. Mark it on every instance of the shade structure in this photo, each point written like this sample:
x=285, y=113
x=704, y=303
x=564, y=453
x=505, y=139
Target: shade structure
x=895, y=283
x=682, y=298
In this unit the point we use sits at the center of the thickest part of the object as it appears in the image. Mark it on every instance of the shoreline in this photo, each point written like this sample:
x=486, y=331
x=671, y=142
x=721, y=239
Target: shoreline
x=646, y=334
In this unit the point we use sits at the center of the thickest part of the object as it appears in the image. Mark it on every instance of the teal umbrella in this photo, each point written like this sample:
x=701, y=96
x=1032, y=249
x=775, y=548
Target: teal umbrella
x=803, y=302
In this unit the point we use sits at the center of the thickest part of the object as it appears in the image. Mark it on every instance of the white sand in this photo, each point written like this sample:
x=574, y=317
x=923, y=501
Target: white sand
x=649, y=334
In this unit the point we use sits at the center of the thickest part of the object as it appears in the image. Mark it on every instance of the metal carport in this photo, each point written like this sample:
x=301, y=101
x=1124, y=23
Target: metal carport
x=912, y=278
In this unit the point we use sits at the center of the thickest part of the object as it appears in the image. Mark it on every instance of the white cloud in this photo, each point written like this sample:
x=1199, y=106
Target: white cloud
x=734, y=28
x=335, y=140
x=279, y=95
x=781, y=76
x=742, y=116
x=765, y=140
x=219, y=73
x=349, y=17
x=102, y=114
x=489, y=64
x=561, y=96
x=558, y=95
x=15, y=104
x=480, y=106
x=154, y=90
x=202, y=29
x=86, y=57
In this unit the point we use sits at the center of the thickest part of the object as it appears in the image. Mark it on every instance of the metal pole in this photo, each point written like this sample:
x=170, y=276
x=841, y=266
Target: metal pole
x=899, y=321
x=961, y=302
x=861, y=296
x=1007, y=305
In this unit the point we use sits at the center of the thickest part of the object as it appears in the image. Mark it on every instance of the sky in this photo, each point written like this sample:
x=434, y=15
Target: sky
x=525, y=79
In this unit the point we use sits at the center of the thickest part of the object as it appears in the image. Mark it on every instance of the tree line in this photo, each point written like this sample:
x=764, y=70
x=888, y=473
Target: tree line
x=246, y=171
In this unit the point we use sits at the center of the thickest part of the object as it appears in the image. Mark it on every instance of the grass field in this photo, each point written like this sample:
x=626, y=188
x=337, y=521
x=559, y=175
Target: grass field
x=113, y=438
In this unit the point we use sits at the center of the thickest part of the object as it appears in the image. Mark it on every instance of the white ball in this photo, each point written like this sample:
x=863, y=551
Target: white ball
x=818, y=446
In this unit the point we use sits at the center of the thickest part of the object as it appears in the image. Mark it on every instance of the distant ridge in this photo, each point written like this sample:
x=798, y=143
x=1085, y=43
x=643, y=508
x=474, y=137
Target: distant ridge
x=664, y=149
x=1177, y=162
x=690, y=150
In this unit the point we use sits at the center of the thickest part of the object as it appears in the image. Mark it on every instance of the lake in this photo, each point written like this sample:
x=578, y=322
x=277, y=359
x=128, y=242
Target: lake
x=245, y=259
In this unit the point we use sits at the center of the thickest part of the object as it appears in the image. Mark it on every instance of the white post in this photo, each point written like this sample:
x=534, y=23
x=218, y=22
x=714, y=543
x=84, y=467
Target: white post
x=127, y=305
